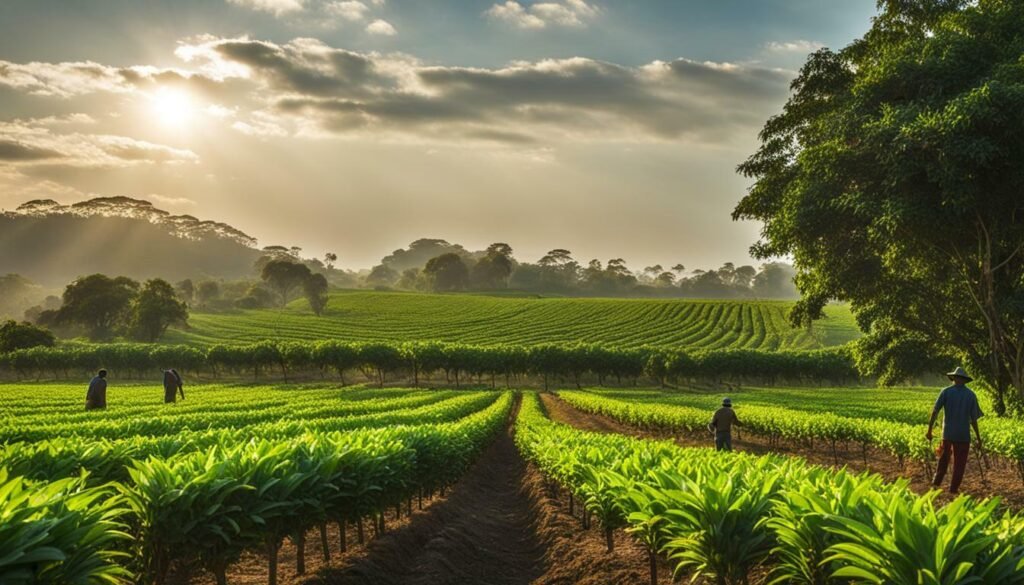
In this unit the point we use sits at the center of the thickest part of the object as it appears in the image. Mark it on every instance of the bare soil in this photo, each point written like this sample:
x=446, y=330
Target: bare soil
x=501, y=524
x=999, y=478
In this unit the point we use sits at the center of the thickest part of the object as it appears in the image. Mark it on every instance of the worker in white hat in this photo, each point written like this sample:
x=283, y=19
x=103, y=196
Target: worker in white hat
x=960, y=414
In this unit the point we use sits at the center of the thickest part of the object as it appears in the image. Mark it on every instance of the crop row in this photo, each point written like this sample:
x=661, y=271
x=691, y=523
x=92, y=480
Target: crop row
x=207, y=507
x=1002, y=437
x=489, y=320
x=726, y=516
x=107, y=459
x=381, y=360
x=122, y=424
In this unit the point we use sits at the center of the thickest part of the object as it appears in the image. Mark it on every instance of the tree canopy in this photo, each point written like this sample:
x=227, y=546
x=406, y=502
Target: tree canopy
x=893, y=178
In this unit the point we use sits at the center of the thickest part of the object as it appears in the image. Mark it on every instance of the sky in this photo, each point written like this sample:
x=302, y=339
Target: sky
x=609, y=128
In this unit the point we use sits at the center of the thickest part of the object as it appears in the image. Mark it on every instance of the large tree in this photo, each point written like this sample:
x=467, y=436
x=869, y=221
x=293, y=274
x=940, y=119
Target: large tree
x=494, y=269
x=14, y=335
x=285, y=277
x=99, y=303
x=893, y=177
x=156, y=307
x=447, y=272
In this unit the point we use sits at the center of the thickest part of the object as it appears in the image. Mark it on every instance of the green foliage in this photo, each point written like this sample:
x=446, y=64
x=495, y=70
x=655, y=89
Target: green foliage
x=892, y=177
x=447, y=272
x=202, y=498
x=99, y=303
x=15, y=336
x=722, y=515
x=60, y=533
x=156, y=308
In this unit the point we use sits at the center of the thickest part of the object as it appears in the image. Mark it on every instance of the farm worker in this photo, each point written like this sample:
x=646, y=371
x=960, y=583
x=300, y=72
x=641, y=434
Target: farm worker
x=721, y=424
x=96, y=396
x=961, y=413
x=172, y=385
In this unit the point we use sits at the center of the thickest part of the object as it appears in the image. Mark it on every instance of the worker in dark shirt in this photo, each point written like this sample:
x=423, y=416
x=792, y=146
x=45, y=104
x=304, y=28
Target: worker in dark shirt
x=721, y=424
x=172, y=386
x=960, y=413
x=96, y=396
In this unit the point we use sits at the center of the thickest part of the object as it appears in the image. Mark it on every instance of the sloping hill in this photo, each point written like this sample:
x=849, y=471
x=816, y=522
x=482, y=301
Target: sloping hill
x=53, y=244
x=365, y=316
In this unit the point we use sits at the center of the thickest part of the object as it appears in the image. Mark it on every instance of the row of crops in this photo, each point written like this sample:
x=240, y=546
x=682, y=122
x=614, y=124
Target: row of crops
x=380, y=361
x=82, y=510
x=485, y=320
x=729, y=516
x=1002, y=437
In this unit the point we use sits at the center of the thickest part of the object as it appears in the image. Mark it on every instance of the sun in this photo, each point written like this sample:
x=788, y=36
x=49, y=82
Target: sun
x=172, y=108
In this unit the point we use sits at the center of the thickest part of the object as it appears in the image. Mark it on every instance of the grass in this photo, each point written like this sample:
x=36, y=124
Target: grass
x=489, y=320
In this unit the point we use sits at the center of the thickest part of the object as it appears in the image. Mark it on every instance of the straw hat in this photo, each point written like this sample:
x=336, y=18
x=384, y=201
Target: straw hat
x=959, y=373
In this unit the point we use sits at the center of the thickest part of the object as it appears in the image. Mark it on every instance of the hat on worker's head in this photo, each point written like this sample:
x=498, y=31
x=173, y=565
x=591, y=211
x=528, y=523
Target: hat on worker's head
x=959, y=373
x=726, y=402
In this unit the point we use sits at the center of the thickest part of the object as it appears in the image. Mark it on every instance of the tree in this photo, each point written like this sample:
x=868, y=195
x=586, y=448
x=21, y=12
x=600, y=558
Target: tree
x=494, y=269
x=256, y=297
x=411, y=280
x=329, y=259
x=284, y=277
x=679, y=269
x=315, y=291
x=381, y=275
x=447, y=272
x=99, y=303
x=893, y=177
x=207, y=292
x=156, y=308
x=14, y=335
x=186, y=291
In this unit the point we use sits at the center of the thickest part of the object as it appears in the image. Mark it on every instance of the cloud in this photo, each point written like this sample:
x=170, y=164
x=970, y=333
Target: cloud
x=308, y=88
x=64, y=79
x=381, y=27
x=312, y=89
x=799, y=46
x=352, y=10
x=569, y=13
x=28, y=143
x=275, y=7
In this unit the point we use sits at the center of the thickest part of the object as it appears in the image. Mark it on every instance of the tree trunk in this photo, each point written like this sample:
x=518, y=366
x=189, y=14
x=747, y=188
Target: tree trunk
x=300, y=552
x=325, y=547
x=652, y=561
x=609, y=538
x=342, y=537
x=272, y=549
x=360, y=535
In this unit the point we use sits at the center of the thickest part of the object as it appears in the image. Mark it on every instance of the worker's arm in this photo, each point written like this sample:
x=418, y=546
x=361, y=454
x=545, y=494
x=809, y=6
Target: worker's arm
x=977, y=433
x=181, y=390
x=736, y=420
x=931, y=424
x=714, y=423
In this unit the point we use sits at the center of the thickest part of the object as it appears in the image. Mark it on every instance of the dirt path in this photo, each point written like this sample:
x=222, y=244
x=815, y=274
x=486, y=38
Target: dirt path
x=997, y=481
x=481, y=533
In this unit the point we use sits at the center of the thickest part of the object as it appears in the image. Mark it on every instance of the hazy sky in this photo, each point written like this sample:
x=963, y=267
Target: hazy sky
x=610, y=128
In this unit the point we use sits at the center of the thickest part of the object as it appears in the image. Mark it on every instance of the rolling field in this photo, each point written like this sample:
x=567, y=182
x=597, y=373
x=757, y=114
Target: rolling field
x=488, y=320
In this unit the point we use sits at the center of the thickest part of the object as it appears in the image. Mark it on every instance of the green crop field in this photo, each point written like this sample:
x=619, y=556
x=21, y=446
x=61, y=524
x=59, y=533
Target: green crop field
x=122, y=494
x=488, y=320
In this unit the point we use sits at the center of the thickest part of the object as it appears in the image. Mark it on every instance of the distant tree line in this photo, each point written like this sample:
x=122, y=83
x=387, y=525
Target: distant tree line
x=415, y=362
x=437, y=266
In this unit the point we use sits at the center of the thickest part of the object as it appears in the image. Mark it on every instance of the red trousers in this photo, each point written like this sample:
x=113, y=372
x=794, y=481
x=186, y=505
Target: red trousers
x=959, y=451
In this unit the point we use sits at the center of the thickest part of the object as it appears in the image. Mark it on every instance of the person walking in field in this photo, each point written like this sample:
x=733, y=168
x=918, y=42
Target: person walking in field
x=721, y=424
x=960, y=414
x=172, y=386
x=96, y=396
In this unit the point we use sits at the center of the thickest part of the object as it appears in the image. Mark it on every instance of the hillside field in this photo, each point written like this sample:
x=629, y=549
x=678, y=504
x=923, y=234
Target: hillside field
x=488, y=320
